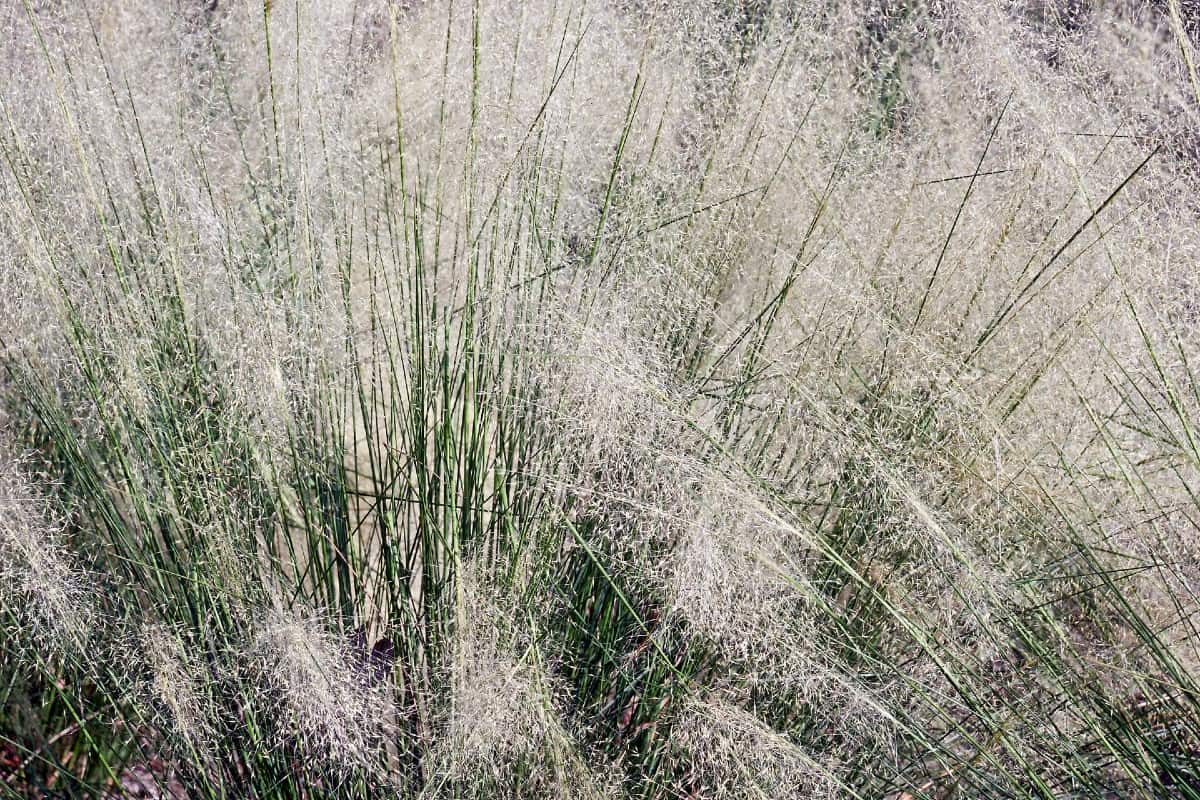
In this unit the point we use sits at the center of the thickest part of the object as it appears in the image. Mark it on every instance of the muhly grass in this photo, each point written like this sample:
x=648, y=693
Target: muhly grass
x=599, y=399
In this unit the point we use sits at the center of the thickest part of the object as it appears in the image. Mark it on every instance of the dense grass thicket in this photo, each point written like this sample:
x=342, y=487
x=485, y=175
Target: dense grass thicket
x=599, y=398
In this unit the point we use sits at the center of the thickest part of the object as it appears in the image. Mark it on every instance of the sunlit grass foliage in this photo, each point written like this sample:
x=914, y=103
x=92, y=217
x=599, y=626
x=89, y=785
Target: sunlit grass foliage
x=589, y=399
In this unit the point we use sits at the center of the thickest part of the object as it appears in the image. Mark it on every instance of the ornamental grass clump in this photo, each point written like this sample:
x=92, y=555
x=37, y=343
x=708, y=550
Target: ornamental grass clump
x=599, y=399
